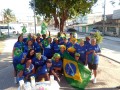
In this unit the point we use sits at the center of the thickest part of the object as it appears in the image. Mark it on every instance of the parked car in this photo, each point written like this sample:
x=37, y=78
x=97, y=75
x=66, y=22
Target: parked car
x=4, y=30
x=92, y=32
x=71, y=30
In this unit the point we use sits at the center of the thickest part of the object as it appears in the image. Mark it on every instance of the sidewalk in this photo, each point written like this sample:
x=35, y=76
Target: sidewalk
x=106, y=80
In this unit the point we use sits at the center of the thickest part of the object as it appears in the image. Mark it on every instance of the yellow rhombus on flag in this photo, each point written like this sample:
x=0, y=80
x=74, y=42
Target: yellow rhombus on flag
x=75, y=73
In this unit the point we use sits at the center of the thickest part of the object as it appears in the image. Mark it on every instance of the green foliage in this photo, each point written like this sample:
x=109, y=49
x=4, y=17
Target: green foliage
x=67, y=8
x=8, y=16
x=62, y=9
x=98, y=37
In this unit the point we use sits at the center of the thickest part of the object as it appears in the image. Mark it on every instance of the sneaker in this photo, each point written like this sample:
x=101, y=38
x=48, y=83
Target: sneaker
x=94, y=81
x=92, y=76
x=15, y=80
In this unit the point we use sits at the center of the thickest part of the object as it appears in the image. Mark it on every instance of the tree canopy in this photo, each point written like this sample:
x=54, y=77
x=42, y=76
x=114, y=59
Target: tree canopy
x=8, y=16
x=62, y=9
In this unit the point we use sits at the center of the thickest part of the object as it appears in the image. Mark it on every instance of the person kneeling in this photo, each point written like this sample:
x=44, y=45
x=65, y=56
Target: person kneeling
x=27, y=72
x=44, y=72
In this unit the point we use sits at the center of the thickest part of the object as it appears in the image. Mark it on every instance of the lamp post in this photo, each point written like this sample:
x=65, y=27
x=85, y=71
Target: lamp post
x=34, y=16
x=104, y=17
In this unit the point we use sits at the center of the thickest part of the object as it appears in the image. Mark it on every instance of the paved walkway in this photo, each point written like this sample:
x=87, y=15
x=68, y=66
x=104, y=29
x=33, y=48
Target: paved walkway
x=108, y=73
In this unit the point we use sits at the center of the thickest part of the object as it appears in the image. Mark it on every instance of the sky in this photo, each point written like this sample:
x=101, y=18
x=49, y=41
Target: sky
x=98, y=7
x=22, y=9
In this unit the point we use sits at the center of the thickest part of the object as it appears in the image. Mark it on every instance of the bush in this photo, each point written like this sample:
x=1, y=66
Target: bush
x=98, y=37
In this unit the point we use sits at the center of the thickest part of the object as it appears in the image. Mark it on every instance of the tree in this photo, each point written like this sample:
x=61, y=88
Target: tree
x=61, y=10
x=8, y=16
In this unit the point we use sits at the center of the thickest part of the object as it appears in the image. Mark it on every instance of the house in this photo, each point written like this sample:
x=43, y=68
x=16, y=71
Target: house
x=111, y=26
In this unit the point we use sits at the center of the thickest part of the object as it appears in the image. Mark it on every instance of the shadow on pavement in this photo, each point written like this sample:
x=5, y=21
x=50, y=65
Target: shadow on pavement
x=64, y=85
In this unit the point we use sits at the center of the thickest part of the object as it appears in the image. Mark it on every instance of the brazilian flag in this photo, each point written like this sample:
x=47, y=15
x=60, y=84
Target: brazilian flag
x=45, y=43
x=75, y=73
x=43, y=28
x=17, y=52
x=24, y=29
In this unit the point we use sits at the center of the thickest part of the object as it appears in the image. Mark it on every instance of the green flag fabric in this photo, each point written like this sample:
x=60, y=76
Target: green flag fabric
x=24, y=29
x=75, y=73
x=43, y=28
x=20, y=67
x=45, y=43
x=17, y=52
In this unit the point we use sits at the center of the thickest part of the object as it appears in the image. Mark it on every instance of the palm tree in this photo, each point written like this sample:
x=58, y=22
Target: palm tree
x=8, y=16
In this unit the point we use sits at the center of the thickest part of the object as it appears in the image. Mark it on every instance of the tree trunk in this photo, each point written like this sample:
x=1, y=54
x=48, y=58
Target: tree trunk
x=62, y=20
x=56, y=24
x=62, y=25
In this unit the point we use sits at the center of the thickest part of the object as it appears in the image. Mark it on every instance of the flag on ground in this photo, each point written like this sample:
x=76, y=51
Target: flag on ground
x=43, y=28
x=24, y=29
x=75, y=73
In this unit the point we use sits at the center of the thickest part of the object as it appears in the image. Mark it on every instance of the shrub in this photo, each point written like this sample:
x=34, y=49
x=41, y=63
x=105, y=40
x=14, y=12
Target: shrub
x=98, y=37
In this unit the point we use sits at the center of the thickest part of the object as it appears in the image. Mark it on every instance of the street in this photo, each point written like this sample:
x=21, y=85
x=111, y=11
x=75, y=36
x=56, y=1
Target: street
x=108, y=70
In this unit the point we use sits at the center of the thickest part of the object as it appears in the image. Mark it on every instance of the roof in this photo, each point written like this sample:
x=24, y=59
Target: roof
x=116, y=14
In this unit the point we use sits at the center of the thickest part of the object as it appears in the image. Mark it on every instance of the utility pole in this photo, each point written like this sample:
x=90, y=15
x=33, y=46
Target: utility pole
x=104, y=17
x=34, y=16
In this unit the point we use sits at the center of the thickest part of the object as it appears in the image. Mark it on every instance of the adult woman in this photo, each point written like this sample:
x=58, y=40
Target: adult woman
x=44, y=71
x=55, y=46
x=17, y=54
x=92, y=57
x=30, y=55
x=28, y=70
x=62, y=50
x=77, y=56
x=81, y=49
x=47, y=48
x=28, y=46
x=87, y=41
x=38, y=46
x=57, y=62
x=71, y=46
x=39, y=60
x=71, y=36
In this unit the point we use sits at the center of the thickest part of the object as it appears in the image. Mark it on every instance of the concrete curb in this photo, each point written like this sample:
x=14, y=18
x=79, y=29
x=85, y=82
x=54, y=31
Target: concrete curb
x=109, y=58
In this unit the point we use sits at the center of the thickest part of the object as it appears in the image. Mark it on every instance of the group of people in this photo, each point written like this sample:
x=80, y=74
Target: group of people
x=41, y=56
